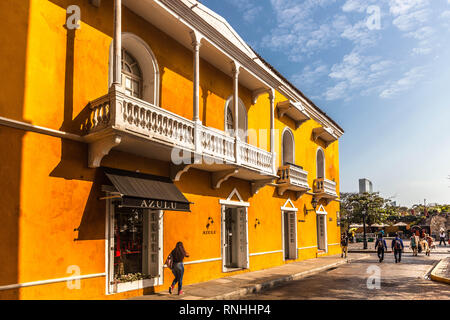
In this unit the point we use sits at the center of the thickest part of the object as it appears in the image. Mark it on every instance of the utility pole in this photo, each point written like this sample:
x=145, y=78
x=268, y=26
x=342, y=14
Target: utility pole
x=364, y=227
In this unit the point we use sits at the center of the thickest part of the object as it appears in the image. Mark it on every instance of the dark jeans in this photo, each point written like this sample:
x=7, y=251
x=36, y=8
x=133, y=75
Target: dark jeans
x=398, y=255
x=442, y=240
x=178, y=272
x=380, y=253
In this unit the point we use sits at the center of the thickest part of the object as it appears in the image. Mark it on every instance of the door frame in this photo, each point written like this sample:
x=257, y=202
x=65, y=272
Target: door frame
x=236, y=204
x=293, y=209
x=322, y=213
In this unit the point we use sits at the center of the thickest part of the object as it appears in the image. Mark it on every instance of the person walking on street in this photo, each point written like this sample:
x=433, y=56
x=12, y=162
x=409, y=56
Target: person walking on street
x=397, y=247
x=344, y=245
x=178, y=254
x=414, y=244
x=442, y=237
x=381, y=245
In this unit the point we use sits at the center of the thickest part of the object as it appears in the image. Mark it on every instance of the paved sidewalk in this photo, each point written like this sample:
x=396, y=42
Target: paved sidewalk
x=441, y=272
x=237, y=286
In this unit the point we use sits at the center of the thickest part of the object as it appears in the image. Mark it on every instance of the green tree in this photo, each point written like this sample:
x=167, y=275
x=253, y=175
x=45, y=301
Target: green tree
x=354, y=205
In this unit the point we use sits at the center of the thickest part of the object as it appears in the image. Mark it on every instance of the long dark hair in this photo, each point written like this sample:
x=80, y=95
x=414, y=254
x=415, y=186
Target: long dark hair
x=179, y=251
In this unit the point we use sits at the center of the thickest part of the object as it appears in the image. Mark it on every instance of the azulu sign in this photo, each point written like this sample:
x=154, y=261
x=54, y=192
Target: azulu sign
x=154, y=204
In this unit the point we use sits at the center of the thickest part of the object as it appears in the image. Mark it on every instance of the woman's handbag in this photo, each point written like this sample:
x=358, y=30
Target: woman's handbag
x=169, y=262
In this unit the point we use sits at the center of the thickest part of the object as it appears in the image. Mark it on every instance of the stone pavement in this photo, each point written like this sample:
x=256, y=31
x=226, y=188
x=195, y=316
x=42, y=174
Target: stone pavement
x=237, y=286
x=441, y=272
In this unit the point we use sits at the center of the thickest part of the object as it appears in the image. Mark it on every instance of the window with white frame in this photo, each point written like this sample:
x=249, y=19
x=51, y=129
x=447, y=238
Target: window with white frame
x=131, y=75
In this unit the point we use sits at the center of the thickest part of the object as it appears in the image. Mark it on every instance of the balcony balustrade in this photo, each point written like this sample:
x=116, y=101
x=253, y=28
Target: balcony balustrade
x=294, y=178
x=324, y=188
x=132, y=125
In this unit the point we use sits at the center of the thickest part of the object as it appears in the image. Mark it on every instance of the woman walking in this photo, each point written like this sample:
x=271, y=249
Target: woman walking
x=178, y=254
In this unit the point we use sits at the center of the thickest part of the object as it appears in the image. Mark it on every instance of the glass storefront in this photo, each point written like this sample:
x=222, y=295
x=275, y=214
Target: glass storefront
x=128, y=244
x=136, y=244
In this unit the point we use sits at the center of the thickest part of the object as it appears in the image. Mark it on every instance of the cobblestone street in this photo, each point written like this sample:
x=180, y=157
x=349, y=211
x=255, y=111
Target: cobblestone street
x=402, y=281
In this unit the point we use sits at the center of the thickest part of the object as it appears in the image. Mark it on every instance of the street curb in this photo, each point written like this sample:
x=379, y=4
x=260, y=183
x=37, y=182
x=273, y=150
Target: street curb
x=426, y=275
x=434, y=276
x=276, y=282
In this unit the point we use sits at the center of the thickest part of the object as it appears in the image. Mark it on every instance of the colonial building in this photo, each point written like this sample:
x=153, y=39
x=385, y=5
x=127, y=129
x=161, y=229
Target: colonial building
x=129, y=125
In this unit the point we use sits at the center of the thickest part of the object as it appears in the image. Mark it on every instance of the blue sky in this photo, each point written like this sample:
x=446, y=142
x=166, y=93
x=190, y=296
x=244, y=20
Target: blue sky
x=385, y=78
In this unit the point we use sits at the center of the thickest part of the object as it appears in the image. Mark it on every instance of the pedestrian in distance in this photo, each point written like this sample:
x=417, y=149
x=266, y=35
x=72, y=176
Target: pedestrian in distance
x=381, y=245
x=442, y=237
x=344, y=245
x=430, y=244
x=414, y=243
x=177, y=256
x=397, y=247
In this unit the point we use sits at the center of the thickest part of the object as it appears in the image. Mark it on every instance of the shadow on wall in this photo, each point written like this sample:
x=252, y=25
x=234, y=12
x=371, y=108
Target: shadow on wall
x=11, y=106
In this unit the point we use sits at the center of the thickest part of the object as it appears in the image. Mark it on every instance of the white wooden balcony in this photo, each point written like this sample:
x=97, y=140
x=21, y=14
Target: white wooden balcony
x=293, y=178
x=324, y=189
x=135, y=126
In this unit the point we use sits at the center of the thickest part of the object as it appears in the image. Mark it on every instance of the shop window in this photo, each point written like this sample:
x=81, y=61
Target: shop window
x=136, y=244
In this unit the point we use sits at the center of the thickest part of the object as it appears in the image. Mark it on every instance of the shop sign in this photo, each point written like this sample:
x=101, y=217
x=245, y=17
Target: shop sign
x=154, y=204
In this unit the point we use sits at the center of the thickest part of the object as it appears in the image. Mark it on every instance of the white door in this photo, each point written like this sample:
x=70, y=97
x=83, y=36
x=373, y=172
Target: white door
x=292, y=235
x=242, y=237
x=321, y=232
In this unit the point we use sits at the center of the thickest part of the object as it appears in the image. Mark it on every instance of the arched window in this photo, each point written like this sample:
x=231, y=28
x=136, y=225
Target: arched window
x=288, y=147
x=131, y=75
x=320, y=164
x=242, y=119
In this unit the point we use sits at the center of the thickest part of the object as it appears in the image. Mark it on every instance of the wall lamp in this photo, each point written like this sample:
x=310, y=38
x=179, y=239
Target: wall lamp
x=314, y=205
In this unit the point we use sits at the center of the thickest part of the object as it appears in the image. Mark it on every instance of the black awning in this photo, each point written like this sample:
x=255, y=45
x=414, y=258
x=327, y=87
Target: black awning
x=146, y=191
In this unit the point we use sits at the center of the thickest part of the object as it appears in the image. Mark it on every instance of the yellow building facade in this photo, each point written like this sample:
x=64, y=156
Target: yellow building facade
x=118, y=139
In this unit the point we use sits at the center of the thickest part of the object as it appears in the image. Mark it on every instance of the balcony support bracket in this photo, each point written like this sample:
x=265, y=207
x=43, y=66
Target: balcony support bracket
x=177, y=170
x=100, y=148
x=256, y=185
x=299, y=123
x=220, y=176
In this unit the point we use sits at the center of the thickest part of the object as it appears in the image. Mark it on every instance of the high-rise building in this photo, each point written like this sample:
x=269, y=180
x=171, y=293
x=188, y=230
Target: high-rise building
x=365, y=185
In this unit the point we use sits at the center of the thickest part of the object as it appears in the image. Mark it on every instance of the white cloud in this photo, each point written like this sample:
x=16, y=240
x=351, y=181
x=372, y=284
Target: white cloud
x=402, y=7
x=408, y=80
x=409, y=21
x=354, y=5
x=310, y=74
x=250, y=9
x=357, y=73
x=420, y=51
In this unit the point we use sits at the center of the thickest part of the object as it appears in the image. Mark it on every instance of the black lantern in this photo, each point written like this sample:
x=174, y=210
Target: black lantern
x=314, y=205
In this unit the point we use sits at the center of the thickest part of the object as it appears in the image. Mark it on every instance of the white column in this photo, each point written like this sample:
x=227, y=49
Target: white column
x=272, y=128
x=117, y=43
x=196, y=44
x=235, y=71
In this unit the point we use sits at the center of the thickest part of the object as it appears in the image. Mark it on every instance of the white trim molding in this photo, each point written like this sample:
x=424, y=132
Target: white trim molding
x=312, y=247
x=50, y=281
x=263, y=253
x=286, y=208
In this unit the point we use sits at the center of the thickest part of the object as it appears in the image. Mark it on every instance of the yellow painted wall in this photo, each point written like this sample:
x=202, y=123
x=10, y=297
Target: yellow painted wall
x=51, y=215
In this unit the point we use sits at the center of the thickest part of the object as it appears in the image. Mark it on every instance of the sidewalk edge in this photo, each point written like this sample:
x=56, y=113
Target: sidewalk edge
x=434, y=276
